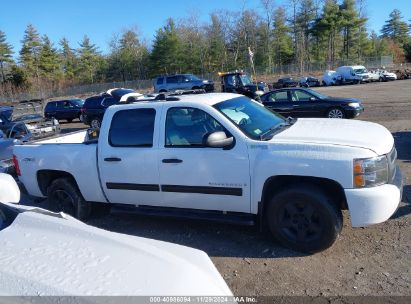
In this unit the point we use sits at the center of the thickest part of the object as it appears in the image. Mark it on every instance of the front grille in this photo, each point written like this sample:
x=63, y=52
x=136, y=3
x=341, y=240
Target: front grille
x=392, y=157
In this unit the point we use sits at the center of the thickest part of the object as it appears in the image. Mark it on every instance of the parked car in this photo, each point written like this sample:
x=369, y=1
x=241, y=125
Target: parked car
x=353, y=74
x=68, y=109
x=30, y=112
x=301, y=102
x=11, y=133
x=225, y=157
x=241, y=83
x=386, y=76
x=181, y=82
x=287, y=82
x=94, y=107
x=331, y=78
x=53, y=254
x=309, y=82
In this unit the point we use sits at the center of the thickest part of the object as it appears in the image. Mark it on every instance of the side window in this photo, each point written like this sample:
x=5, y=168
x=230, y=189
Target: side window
x=301, y=96
x=188, y=127
x=160, y=80
x=66, y=104
x=278, y=96
x=184, y=79
x=172, y=79
x=132, y=128
x=59, y=104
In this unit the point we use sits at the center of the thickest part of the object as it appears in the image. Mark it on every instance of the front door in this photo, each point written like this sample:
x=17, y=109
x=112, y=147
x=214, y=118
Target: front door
x=195, y=176
x=128, y=161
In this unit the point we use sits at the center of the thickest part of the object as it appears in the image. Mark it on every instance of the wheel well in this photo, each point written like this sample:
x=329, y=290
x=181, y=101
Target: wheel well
x=46, y=177
x=276, y=183
x=162, y=91
x=195, y=88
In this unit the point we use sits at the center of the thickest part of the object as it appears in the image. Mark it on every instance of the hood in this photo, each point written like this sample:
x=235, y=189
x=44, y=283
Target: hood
x=352, y=133
x=46, y=253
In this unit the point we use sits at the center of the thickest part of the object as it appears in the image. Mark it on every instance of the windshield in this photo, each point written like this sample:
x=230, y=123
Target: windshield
x=316, y=94
x=252, y=119
x=245, y=80
x=360, y=71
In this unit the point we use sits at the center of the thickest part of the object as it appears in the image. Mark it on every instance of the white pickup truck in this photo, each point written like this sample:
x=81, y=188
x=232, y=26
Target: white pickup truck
x=225, y=157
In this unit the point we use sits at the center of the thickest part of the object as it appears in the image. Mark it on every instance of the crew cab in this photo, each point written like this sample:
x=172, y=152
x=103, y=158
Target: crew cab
x=225, y=157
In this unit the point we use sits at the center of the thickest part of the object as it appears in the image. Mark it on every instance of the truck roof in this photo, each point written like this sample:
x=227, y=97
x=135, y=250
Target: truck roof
x=208, y=99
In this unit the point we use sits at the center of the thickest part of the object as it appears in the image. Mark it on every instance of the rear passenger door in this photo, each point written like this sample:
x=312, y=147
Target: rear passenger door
x=128, y=158
x=279, y=101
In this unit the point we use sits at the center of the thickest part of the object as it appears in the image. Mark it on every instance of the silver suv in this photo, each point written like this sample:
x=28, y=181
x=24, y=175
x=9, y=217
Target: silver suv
x=181, y=82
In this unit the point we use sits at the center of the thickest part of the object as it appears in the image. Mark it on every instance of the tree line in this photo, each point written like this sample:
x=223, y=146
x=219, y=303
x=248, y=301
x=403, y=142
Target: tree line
x=314, y=31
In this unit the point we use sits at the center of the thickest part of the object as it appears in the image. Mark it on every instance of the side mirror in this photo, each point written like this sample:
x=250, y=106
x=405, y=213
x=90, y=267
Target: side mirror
x=313, y=99
x=9, y=191
x=219, y=140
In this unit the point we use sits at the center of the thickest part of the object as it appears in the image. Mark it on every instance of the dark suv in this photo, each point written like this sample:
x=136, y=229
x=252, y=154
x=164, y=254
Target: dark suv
x=181, y=82
x=68, y=109
x=95, y=106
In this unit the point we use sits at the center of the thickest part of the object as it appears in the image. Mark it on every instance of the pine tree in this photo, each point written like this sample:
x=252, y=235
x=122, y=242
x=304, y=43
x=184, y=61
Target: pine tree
x=6, y=53
x=216, y=44
x=68, y=59
x=30, y=51
x=49, y=63
x=395, y=28
x=327, y=28
x=89, y=60
x=351, y=24
x=165, y=54
x=282, y=43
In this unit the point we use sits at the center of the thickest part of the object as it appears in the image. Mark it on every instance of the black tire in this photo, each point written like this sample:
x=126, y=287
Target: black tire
x=335, y=113
x=195, y=88
x=64, y=196
x=95, y=123
x=303, y=218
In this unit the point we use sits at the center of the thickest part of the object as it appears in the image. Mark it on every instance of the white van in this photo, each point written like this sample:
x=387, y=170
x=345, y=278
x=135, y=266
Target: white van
x=353, y=74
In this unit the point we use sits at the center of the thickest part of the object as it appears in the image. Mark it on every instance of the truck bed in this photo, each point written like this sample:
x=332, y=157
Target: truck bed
x=69, y=153
x=78, y=137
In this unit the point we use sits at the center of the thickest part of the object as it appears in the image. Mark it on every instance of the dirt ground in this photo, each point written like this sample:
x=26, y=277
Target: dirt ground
x=364, y=261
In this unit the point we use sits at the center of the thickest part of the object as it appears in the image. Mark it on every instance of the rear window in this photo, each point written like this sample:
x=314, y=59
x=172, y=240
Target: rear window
x=51, y=105
x=93, y=102
x=108, y=101
x=132, y=128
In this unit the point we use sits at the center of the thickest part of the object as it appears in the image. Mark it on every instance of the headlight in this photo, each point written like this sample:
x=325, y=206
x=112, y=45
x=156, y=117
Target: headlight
x=354, y=104
x=370, y=172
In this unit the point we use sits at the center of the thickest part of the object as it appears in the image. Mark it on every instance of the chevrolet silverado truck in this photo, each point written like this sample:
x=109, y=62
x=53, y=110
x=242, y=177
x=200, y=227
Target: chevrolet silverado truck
x=223, y=157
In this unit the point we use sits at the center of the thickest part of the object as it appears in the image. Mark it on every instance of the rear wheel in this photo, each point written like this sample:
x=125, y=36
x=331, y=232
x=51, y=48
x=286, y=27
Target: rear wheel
x=304, y=218
x=64, y=196
x=95, y=123
x=335, y=113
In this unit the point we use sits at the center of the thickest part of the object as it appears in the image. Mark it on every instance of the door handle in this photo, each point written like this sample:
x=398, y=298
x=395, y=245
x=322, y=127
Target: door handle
x=112, y=159
x=172, y=161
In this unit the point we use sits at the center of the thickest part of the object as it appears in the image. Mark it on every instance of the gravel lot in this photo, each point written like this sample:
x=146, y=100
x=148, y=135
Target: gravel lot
x=371, y=261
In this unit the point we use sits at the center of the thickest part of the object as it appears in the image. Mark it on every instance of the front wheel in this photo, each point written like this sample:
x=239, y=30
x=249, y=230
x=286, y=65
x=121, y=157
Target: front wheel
x=304, y=218
x=64, y=196
x=335, y=113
